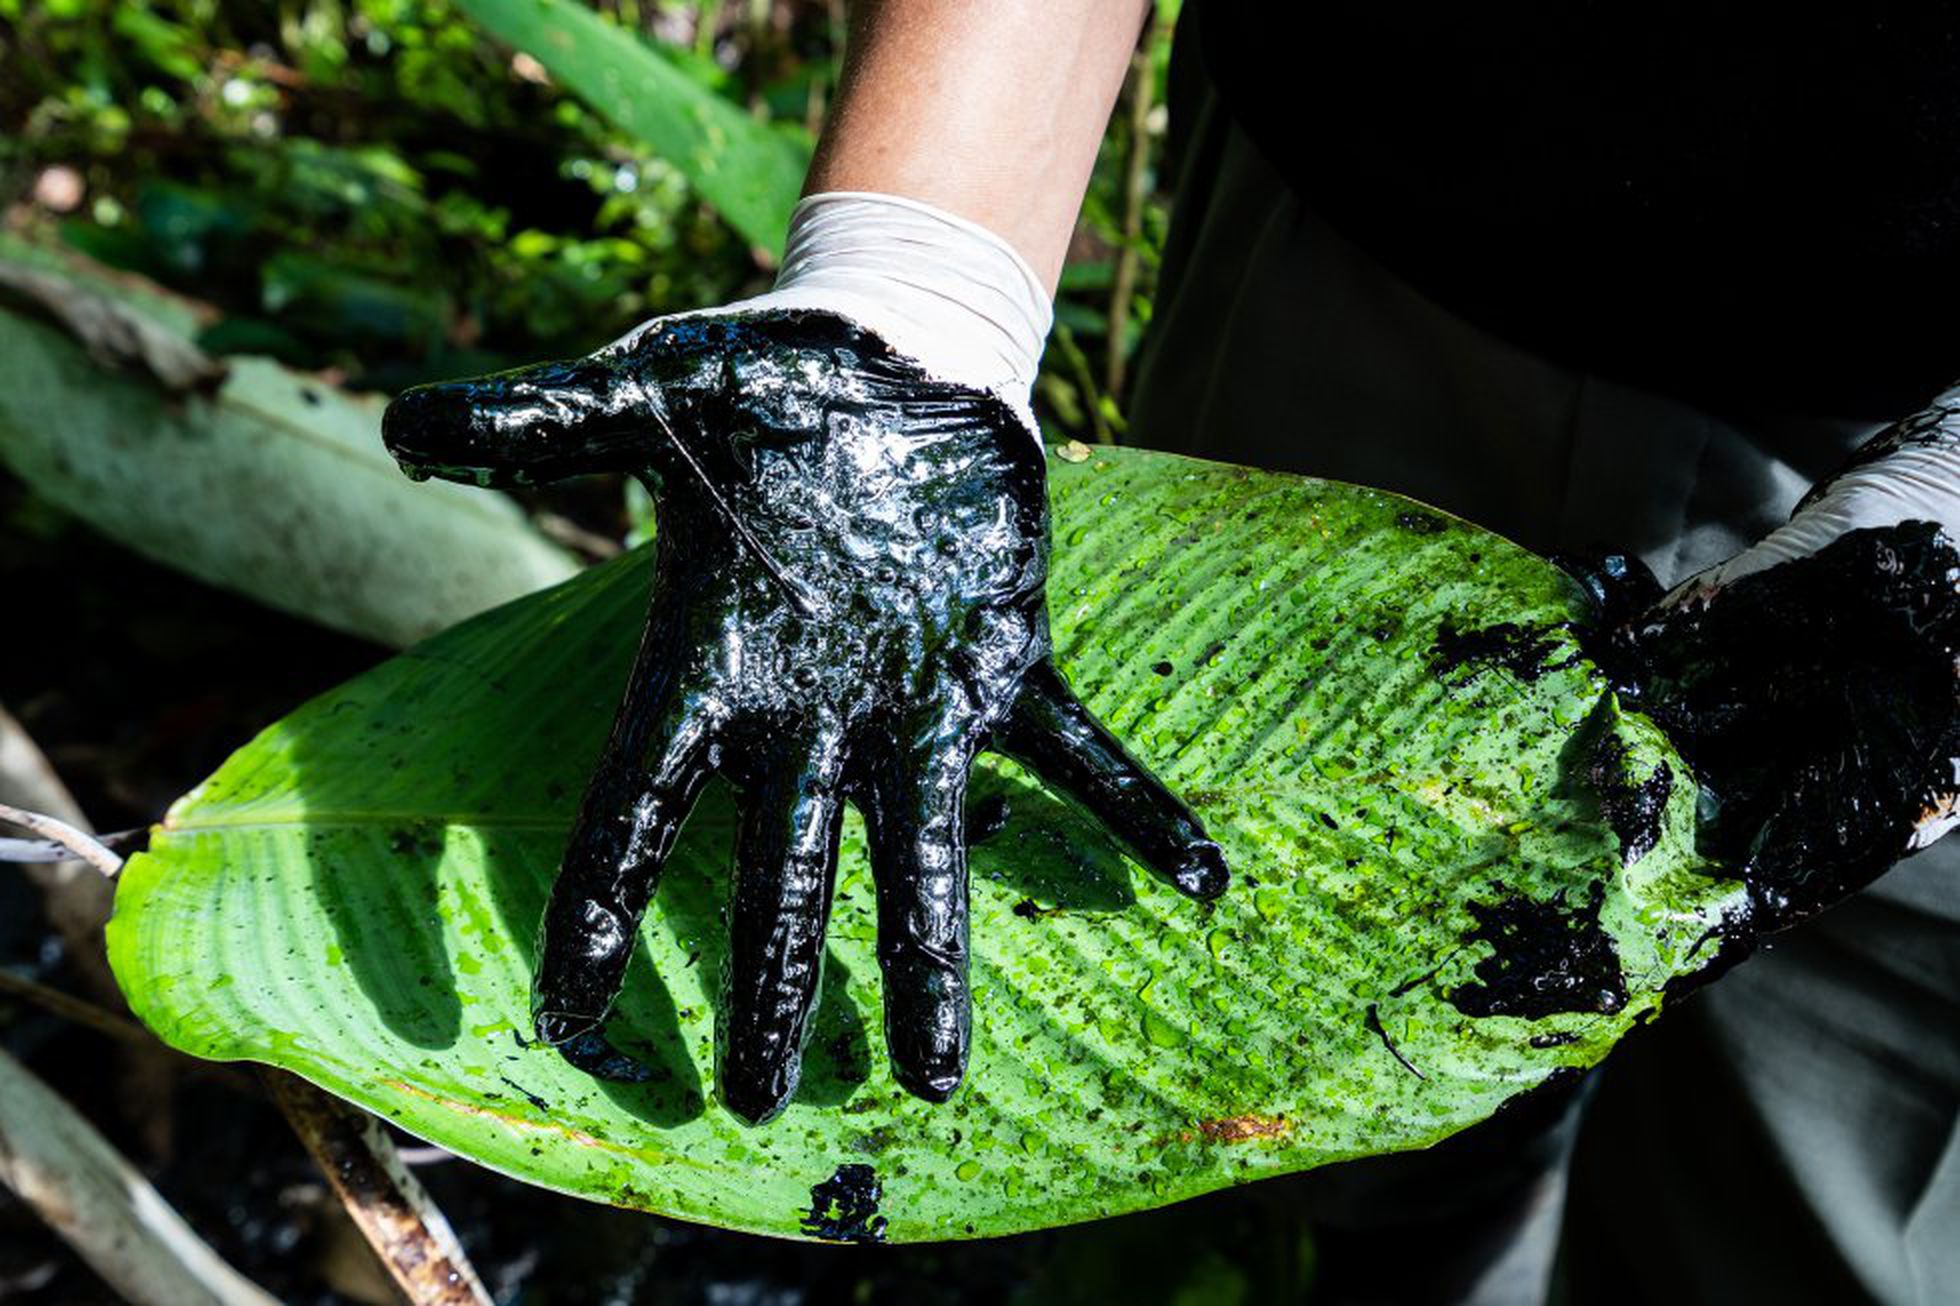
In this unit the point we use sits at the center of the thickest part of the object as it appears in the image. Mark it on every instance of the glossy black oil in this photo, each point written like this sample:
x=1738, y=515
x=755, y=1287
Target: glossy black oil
x=1618, y=588
x=844, y=1207
x=1372, y=1018
x=1526, y=654
x=1816, y=701
x=1546, y=958
x=1421, y=523
x=1633, y=805
x=848, y=606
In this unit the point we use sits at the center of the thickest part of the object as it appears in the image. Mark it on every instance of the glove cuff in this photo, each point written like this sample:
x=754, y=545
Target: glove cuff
x=943, y=290
x=1910, y=471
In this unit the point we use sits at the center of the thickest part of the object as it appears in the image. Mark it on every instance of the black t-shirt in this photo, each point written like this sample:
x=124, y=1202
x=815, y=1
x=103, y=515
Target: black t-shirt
x=1743, y=205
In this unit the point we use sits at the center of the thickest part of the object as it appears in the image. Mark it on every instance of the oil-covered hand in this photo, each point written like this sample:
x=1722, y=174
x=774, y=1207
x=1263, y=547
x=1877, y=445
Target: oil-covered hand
x=1814, y=682
x=847, y=605
x=1818, y=702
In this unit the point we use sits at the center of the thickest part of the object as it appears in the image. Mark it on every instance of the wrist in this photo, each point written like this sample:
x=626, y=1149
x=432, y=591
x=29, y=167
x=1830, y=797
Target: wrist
x=941, y=290
x=1908, y=472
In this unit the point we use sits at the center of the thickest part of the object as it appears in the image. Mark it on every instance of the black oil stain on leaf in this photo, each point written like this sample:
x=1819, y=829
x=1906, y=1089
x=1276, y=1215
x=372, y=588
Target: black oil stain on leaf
x=1546, y=958
x=844, y=1207
x=592, y=1053
x=1734, y=938
x=538, y=1102
x=1526, y=654
x=1421, y=523
x=1632, y=808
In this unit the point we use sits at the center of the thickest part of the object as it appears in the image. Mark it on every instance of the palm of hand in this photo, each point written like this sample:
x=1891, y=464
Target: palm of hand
x=848, y=605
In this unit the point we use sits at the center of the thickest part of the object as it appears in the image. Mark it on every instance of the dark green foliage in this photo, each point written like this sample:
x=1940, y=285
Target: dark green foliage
x=385, y=189
x=380, y=187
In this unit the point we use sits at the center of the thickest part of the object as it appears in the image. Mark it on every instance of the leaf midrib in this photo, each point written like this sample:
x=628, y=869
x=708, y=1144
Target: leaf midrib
x=357, y=820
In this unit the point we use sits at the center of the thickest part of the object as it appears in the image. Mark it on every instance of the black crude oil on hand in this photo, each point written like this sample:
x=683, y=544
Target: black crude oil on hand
x=848, y=605
x=1816, y=701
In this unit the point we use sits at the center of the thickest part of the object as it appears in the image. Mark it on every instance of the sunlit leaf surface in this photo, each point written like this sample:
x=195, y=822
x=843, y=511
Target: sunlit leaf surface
x=1416, y=838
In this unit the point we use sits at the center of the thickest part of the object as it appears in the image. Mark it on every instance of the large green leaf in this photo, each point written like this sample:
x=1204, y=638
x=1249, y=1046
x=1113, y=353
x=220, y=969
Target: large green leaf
x=745, y=168
x=355, y=895
x=238, y=471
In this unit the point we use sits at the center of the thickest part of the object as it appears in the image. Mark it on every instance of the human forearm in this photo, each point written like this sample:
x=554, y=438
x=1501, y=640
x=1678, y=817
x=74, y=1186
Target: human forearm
x=990, y=110
x=849, y=595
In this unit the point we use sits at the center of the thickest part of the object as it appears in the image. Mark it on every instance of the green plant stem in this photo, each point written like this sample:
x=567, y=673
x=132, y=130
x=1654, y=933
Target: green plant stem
x=707, y=23
x=1085, y=376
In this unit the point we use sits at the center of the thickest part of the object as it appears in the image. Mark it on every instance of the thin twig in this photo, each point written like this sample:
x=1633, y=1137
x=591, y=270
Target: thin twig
x=596, y=547
x=23, y=852
x=78, y=901
x=76, y=1009
x=393, y=1212
x=36, y=851
x=89, y=1016
x=86, y=847
x=1085, y=377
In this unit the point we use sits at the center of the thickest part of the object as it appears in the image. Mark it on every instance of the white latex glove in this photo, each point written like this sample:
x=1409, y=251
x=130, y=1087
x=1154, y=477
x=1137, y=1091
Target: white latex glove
x=933, y=286
x=1908, y=472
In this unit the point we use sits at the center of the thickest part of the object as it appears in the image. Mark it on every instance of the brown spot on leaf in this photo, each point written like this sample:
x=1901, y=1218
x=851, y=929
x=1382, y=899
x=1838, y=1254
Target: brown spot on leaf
x=1248, y=1128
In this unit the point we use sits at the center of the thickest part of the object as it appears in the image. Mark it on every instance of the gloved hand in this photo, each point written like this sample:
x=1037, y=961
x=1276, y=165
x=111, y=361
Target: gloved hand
x=847, y=605
x=1814, y=681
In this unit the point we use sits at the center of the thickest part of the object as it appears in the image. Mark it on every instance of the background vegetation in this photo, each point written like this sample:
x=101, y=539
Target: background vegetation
x=379, y=191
